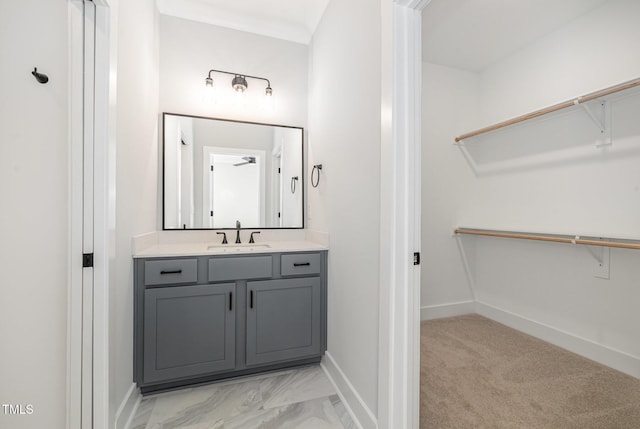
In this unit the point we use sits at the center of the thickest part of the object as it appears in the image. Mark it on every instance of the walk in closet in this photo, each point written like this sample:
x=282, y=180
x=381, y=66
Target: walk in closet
x=531, y=170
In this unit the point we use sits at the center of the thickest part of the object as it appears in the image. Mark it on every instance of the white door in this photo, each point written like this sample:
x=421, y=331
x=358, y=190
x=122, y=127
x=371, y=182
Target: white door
x=233, y=187
x=236, y=190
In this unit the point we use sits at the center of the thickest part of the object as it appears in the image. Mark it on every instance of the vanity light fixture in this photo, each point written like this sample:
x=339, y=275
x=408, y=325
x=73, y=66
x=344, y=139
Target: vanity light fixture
x=239, y=82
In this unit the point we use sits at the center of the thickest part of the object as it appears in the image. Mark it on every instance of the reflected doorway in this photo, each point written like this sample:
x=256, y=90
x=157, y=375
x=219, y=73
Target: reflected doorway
x=233, y=189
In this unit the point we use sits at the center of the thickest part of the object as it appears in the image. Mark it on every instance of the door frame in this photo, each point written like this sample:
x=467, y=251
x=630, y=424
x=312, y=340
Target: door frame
x=91, y=214
x=399, y=328
x=76, y=207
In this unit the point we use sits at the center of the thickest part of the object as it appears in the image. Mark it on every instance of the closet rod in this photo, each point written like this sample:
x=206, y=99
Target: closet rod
x=585, y=98
x=555, y=239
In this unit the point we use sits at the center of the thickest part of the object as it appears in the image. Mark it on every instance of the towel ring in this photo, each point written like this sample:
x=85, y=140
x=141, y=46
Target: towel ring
x=317, y=168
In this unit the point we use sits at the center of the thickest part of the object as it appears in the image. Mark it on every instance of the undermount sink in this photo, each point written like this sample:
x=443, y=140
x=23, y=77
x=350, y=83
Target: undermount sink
x=231, y=248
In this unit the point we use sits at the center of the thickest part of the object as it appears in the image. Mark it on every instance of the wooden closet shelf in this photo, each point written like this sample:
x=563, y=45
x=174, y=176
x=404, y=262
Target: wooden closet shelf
x=553, y=238
x=565, y=104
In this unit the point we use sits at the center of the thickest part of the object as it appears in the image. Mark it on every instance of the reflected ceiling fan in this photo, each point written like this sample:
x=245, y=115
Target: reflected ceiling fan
x=247, y=159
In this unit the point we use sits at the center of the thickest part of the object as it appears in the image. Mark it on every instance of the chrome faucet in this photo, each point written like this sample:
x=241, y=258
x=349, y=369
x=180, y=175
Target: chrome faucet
x=238, y=232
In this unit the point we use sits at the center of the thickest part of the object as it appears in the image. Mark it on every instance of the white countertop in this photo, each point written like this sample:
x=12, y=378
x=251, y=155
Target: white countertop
x=159, y=244
x=202, y=248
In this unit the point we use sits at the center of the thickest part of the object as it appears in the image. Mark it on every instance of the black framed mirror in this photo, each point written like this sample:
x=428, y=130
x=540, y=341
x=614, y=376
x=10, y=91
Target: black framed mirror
x=219, y=171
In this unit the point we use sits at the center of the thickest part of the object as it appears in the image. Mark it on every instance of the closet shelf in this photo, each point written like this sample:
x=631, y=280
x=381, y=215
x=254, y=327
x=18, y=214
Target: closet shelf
x=566, y=104
x=553, y=238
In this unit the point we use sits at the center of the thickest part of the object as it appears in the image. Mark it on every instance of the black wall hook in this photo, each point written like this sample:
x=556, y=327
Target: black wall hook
x=40, y=77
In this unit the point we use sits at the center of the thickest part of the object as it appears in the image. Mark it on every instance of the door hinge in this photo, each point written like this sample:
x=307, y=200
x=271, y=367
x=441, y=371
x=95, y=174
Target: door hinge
x=212, y=168
x=87, y=260
x=211, y=213
x=278, y=170
x=416, y=258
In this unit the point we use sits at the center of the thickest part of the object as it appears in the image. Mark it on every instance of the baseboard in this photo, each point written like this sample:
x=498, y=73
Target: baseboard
x=128, y=407
x=612, y=358
x=360, y=413
x=447, y=310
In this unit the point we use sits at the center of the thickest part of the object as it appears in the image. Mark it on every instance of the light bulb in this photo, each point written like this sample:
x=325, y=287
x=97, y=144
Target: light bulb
x=239, y=99
x=269, y=103
x=210, y=91
x=239, y=83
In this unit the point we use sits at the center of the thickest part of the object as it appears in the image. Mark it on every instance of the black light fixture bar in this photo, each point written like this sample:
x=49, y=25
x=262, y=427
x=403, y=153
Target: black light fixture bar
x=239, y=79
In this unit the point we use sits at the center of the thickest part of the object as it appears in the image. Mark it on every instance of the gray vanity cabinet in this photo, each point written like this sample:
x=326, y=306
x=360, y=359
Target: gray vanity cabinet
x=188, y=331
x=283, y=319
x=204, y=318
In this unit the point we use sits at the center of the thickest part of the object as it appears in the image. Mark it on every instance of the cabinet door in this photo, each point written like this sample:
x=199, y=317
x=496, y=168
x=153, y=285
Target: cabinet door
x=283, y=319
x=188, y=331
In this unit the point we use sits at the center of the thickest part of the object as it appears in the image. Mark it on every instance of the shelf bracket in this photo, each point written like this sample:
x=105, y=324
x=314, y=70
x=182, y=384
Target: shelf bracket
x=602, y=268
x=602, y=120
x=467, y=156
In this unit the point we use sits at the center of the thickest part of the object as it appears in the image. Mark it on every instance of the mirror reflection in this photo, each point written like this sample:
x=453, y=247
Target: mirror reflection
x=217, y=172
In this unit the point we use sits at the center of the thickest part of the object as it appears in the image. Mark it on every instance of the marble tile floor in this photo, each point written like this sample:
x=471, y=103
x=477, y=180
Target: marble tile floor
x=298, y=398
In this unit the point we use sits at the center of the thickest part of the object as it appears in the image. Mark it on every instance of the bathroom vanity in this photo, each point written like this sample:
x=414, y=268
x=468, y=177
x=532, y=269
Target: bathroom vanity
x=207, y=315
x=205, y=311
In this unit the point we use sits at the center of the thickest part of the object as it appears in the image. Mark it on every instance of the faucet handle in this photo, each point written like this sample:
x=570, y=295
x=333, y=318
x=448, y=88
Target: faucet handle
x=224, y=239
x=251, y=237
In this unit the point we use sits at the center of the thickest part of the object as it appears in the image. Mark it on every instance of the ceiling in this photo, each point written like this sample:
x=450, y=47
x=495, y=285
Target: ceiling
x=465, y=34
x=472, y=34
x=293, y=20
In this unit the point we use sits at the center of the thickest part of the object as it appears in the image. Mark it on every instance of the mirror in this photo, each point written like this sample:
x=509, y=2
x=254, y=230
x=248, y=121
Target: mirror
x=217, y=171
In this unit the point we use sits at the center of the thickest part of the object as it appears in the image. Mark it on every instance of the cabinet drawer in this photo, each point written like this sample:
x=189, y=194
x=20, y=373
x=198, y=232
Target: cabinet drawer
x=170, y=271
x=296, y=264
x=240, y=268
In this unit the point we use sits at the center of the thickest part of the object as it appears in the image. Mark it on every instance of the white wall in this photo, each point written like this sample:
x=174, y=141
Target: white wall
x=189, y=49
x=34, y=212
x=549, y=176
x=565, y=64
x=592, y=52
x=450, y=100
x=137, y=127
x=344, y=136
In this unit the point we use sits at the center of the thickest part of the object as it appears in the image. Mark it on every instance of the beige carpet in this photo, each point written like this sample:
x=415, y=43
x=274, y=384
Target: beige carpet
x=476, y=373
